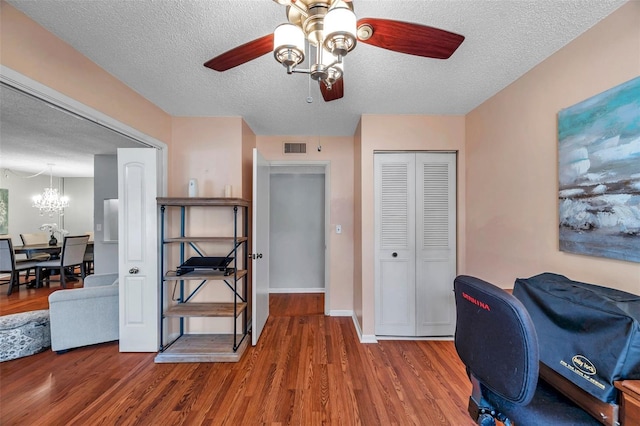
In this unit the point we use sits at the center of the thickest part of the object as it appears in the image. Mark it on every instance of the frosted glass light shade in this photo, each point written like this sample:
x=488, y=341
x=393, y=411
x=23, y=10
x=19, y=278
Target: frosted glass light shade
x=329, y=58
x=288, y=44
x=340, y=30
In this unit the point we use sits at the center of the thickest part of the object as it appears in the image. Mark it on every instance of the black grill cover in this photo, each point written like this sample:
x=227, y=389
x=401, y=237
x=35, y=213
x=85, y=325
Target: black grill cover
x=587, y=333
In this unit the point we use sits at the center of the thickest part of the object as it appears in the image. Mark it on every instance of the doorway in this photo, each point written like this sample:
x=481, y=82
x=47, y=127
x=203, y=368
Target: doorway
x=85, y=113
x=298, y=228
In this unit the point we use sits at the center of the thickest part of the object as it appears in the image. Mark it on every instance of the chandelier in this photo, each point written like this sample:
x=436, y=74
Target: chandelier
x=50, y=201
x=329, y=26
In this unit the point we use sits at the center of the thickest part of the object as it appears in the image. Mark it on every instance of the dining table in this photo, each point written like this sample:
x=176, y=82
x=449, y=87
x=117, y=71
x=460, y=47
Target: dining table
x=31, y=249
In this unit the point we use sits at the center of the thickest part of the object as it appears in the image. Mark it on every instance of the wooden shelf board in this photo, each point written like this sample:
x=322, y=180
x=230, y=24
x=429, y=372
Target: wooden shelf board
x=203, y=348
x=205, y=239
x=201, y=309
x=198, y=201
x=203, y=275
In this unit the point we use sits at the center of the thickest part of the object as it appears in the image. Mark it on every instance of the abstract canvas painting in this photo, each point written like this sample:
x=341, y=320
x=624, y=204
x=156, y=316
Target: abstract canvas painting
x=599, y=174
x=4, y=211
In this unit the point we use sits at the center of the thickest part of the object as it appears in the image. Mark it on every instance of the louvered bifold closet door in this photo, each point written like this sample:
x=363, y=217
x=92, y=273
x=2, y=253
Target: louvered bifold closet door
x=395, y=207
x=435, y=243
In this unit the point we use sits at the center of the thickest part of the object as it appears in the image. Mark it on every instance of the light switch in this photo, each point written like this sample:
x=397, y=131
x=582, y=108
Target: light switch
x=338, y=229
x=98, y=227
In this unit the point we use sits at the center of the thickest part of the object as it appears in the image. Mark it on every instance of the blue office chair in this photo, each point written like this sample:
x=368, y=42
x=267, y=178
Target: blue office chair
x=498, y=344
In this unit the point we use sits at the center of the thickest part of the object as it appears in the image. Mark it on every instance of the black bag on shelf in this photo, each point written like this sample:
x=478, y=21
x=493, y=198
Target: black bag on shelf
x=587, y=333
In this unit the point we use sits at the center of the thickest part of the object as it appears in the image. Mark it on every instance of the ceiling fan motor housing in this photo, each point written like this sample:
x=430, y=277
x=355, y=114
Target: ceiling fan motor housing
x=313, y=25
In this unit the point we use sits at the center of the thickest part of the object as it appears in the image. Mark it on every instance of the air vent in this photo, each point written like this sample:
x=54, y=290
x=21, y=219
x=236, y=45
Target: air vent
x=295, y=148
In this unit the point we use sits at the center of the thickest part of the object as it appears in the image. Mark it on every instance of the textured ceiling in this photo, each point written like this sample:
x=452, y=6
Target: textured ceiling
x=158, y=47
x=34, y=134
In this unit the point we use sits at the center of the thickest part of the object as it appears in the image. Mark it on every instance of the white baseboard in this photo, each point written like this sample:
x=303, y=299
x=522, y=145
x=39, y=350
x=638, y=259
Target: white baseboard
x=296, y=290
x=368, y=338
x=340, y=313
x=444, y=338
x=364, y=338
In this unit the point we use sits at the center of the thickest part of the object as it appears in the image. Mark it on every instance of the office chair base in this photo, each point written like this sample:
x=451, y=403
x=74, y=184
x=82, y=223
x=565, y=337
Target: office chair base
x=486, y=416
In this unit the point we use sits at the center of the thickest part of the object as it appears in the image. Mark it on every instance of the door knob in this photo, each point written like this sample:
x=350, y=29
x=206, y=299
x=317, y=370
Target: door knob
x=134, y=270
x=394, y=254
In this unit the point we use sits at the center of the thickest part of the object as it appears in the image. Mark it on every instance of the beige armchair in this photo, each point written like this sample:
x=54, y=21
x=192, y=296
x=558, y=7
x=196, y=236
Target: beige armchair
x=85, y=316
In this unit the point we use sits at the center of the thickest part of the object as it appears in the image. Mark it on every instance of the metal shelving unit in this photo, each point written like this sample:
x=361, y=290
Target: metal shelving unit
x=194, y=347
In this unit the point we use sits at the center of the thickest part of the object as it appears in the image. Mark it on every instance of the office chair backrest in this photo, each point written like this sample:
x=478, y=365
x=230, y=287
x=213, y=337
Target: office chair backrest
x=496, y=339
x=73, y=250
x=35, y=238
x=7, y=262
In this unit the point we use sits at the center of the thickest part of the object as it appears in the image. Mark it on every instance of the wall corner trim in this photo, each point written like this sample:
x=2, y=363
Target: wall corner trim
x=364, y=338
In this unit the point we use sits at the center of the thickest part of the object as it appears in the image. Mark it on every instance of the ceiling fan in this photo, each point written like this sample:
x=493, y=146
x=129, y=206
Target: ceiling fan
x=330, y=26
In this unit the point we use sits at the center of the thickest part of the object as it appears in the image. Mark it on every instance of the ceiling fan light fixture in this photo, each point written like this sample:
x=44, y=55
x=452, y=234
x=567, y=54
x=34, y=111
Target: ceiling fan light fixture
x=332, y=25
x=288, y=45
x=335, y=69
x=340, y=31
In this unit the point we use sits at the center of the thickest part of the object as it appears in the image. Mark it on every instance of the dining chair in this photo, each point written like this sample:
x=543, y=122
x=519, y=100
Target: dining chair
x=36, y=238
x=73, y=249
x=88, y=259
x=8, y=264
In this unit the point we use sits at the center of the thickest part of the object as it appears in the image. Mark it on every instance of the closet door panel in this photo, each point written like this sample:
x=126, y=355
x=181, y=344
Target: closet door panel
x=435, y=243
x=395, y=244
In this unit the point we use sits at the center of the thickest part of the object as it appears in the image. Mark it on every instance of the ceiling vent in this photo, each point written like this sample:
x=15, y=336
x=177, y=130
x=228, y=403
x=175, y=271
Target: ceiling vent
x=295, y=148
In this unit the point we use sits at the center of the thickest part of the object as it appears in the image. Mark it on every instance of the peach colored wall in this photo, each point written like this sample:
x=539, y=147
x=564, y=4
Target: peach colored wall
x=211, y=150
x=38, y=54
x=402, y=133
x=512, y=160
x=339, y=152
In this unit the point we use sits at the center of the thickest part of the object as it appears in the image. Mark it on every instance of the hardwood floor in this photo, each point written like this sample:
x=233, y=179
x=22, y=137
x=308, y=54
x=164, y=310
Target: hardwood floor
x=307, y=369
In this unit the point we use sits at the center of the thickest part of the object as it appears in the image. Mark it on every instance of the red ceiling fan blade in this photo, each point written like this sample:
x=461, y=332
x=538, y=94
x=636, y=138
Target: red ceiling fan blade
x=241, y=54
x=410, y=38
x=336, y=92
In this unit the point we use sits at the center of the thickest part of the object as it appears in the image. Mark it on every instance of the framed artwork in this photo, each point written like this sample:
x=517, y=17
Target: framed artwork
x=4, y=211
x=599, y=174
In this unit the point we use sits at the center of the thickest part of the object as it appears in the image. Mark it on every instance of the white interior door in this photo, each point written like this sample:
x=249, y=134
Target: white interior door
x=260, y=246
x=138, y=249
x=435, y=243
x=395, y=306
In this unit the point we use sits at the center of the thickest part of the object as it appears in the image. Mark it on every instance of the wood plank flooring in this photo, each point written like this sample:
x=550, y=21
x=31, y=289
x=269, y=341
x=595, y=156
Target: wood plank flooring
x=307, y=369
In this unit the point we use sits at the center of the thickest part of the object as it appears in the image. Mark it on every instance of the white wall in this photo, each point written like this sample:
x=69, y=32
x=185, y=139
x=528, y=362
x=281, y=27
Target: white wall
x=105, y=172
x=297, y=241
x=78, y=217
x=23, y=218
